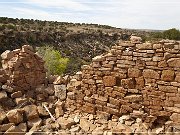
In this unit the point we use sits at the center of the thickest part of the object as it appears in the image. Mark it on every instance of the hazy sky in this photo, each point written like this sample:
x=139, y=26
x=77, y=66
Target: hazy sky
x=140, y=14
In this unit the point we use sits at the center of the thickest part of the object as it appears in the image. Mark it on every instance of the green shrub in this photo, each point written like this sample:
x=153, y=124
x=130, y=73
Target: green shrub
x=172, y=34
x=11, y=26
x=54, y=63
x=2, y=27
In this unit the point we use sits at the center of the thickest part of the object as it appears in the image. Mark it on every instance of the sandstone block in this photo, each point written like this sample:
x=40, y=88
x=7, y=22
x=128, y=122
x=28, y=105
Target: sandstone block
x=2, y=116
x=98, y=58
x=103, y=115
x=175, y=117
x=60, y=91
x=109, y=81
x=36, y=122
x=7, y=55
x=3, y=95
x=174, y=62
x=42, y=111
x=114, y=101
x=20, y=100
x=59, y=110
x=5, y=127
x=89, y=108
x=135, y=39
x=23, y=127
x=145, y=46
x=167, y=75
x=65, y=123
x=128, y=83
x=15, y=116
x=169, y=89
x=133, y=98
x=177, y=77
x=140, y=82
x=31, y=112
x=134, y=72
x=17, y=94
x=149, y=73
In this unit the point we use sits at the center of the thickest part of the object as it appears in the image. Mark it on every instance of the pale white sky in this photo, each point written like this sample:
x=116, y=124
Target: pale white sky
x=139, y=14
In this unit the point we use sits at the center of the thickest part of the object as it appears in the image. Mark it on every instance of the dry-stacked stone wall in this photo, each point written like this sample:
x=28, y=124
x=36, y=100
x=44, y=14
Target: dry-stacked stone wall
x=133, y=78
x=24, y=68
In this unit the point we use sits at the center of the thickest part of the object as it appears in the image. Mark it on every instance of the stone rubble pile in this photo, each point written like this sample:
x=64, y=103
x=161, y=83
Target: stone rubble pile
x=25, y=92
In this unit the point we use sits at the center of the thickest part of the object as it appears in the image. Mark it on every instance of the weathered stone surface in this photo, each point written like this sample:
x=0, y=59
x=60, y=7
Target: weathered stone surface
x=175, y=117
x=149, y=73
x=36, y=122
x=5, y=127
x=86, y=126
x=134, y=72
x=31, y=112
x=109, y=81
x=145, y=46
x=89, y=108
x=169, y=89
x=174, y=62
x=128, y=83
x=60, y=91
x=7, y=55
x=133, y=98
x=42, y=111
x=15, y=116
x=60, y=80
x=177, y=77
x=20, y=101
x=59, y=110
x=2, y=116
x=135, y=39
x=103, y=115
x=167, y=75
x=98, y=58
x=3, y=76
x=23, y=127
x=65, y=123
x=3, y=95
x=17, y=94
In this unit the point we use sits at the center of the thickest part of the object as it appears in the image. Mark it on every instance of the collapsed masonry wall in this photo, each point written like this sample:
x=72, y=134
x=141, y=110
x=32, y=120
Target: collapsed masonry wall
x=132, y=78
x=24, y=69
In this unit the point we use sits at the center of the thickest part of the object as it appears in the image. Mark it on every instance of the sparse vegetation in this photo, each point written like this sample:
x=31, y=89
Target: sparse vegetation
x=79, y=42
x=173, y=34
x=54, y=63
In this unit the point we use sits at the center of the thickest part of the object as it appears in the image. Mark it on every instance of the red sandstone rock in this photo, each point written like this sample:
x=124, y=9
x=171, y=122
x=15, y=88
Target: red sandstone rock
x=31, y=112
x=167, y=75
x=149, y=73
x=134, y=72
x=109, y=81
x=15, y=116
x=174, y=62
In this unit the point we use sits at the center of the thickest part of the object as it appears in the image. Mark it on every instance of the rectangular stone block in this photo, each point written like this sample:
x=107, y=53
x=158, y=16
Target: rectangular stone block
x=114, y=101
x=109, y=80
x=169, y=89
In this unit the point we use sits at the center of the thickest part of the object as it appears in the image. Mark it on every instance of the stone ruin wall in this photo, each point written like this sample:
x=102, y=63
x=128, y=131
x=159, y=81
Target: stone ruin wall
x=141, y=79
x=23, y=68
